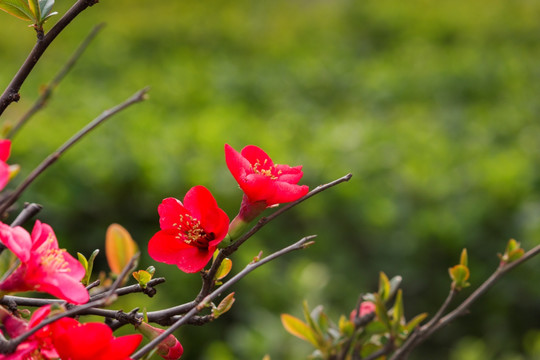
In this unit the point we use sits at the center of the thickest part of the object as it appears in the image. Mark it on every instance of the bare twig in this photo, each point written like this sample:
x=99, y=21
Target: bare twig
x=204, y=302
x=11, y=93
x=48, y=90
x=137, y=97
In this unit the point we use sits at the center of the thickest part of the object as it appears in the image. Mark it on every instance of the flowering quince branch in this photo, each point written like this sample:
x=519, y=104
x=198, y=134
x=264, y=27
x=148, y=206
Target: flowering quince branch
x=137, y=97
x=11, y=93
x=48, y=90
x=439, y=321
x=301, y=244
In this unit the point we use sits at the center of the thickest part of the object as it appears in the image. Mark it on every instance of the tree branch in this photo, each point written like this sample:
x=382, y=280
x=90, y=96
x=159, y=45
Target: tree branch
x=11, y=93
x=47, y=92
x=137, y=97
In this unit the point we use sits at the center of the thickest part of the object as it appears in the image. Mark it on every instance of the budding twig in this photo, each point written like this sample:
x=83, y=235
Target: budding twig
x=439, y=321
x=11, y=93
x=137, y=97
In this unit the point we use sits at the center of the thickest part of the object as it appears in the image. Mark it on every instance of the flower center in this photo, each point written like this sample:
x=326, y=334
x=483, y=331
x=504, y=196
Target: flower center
x=264, y=169
x=192, y=233
x=53, y=261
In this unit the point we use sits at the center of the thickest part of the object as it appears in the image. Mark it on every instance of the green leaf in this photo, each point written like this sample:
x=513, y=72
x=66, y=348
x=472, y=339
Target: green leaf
x=382, y=312
x=224, y=269
x=91, y=265
x=395, y=283
x=142, y=277
x=384, y=286
x=17, y=8
x=346, y=327
x=397, y=313
x=45, y=7
x=376, y=328
x=464, y=259
x=318, y=315
x=311, y=322
x=35, y=9
x=82, y=260
x=459, y=275
x=224, y=306
x=411, y=325
x=299, y=329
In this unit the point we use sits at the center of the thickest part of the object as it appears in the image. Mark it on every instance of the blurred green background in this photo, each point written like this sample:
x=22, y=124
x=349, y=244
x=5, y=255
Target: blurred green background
x=433, y=106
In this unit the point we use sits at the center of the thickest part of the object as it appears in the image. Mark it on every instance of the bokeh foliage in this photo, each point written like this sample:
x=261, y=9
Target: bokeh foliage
x=433, y=106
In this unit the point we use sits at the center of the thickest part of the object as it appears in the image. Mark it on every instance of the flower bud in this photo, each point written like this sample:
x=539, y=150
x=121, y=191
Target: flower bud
x=168, y=349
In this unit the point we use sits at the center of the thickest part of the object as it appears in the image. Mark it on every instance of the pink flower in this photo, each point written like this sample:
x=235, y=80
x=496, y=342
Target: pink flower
x=5, y=149
x=190, y=232
x=366, y=307
x=168, y=349
x=261, y=179
x=90, y=341
x=44, y=267
x=37, y=346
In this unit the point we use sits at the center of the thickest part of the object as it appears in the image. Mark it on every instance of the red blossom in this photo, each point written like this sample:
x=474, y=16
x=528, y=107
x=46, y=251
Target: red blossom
x=261, y=179
x=44, y=267
x=190, y=231
x=38, y=345
x=5, y=149
x=90, y=341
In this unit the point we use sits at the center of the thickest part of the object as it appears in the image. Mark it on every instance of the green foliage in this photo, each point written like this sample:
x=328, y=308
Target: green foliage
x=37, y=11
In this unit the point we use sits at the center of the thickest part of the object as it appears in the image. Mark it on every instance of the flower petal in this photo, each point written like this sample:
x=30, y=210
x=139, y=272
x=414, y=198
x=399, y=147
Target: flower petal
x=254, y=155
x=164, y=246
x=193, y=259
x=238, y=165
x=5, y=149
x=169, y=211
x=17, y=240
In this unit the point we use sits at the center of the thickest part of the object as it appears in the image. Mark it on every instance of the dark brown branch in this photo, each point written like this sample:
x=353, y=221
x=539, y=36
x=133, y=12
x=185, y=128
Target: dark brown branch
x=11, y=93
x=137, y=97
x=47, y=92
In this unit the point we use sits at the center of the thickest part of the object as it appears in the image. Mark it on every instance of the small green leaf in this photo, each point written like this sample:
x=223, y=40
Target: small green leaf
x=375, y=328
x=346, y=327
x=395, y=282
x=464, y=259
x=384, y=286
x=397, y=313
x=224, y=269
x=411, y=325
x=82, y=260
x=512, y=253
x=224, y=306
x=299, y=329
x=318, y=315
x=311, y=322
x=459, y=275
x=142, y=277
x=17, y=8
x=382, y=312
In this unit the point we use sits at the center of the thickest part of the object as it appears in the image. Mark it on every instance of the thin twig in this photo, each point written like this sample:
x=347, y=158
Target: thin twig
x=48, y=90
x=11, y=93
x=303, y=243
x=137, y=97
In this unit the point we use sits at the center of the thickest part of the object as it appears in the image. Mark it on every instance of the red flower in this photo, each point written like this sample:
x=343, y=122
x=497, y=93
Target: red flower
x=38, y=345
x=44, y=267
x=90, y=341
x=261, y=179
x=5, y=149
x=190, y=232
